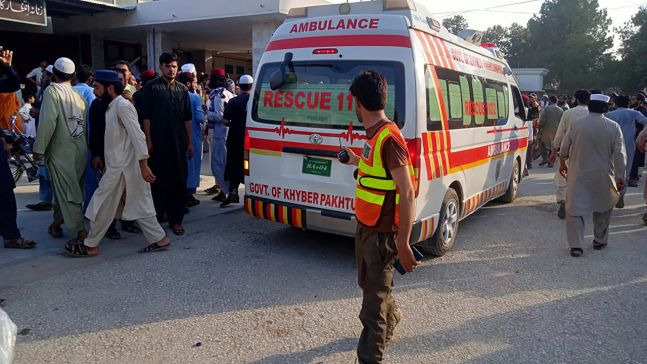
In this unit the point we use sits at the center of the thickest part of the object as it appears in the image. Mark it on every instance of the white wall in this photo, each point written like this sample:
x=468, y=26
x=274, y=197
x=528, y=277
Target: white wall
x=261, y=35
x=530, y=79
x=178, y=11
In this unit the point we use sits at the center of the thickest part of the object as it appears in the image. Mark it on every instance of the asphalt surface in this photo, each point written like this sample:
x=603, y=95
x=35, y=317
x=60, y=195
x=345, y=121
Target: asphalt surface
x=235, y=289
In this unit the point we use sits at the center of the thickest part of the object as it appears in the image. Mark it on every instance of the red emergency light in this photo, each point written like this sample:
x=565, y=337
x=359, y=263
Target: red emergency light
x=489, y=45
x=325, y=51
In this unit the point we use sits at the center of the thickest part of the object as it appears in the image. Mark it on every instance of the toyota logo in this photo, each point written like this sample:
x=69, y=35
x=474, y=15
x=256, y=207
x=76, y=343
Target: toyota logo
x=316, y=139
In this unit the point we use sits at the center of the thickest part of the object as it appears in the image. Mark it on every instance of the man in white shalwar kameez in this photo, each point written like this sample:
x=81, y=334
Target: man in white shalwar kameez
x=595, y=173
x=124, y=188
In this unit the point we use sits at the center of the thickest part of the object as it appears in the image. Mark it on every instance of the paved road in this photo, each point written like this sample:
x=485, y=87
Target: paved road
x=252, y=291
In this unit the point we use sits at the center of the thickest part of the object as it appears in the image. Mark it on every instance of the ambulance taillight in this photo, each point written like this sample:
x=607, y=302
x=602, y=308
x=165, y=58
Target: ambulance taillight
x=414, y=149
x=325, y=51
x=246, y=155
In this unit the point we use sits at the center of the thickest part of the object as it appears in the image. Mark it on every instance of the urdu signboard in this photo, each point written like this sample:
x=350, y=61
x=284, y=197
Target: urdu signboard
x=24, y=11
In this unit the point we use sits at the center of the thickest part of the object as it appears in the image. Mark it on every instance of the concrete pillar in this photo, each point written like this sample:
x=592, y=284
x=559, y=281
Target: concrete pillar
x=261, y=35
x=154, y=47
x=198, y=59
x=97, y=52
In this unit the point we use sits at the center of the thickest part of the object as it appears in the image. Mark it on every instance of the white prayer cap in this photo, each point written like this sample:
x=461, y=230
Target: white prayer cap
x=50, y=69
x=600, y=97
x=246, y=80
x=64, y=65
x=189, y=67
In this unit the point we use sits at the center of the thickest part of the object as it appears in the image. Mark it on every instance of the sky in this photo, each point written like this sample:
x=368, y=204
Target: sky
x=620, y=11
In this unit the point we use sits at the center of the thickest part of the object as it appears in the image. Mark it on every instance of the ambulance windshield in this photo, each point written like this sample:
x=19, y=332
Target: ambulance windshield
x=316, y=94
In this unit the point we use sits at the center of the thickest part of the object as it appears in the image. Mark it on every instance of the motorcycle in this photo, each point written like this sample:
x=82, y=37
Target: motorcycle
x=21, y=158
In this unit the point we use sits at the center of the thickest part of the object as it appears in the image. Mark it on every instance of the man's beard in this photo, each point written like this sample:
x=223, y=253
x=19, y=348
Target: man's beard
x=106, y=99
x=358, y=117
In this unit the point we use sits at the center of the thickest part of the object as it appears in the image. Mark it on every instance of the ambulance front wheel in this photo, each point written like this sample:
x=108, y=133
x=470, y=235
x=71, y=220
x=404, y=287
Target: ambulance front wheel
x=445, y=234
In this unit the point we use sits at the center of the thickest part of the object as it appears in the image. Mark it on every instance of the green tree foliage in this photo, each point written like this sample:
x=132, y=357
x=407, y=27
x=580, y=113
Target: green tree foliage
x=455, y=24
x=517, y=46
x=512, y=41
x=570, y=38
x=633, y=51
x=496, y=34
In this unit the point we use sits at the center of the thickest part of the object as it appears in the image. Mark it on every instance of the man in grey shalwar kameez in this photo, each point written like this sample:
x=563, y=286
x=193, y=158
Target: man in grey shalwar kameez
x=548, y=124
x=595, y=174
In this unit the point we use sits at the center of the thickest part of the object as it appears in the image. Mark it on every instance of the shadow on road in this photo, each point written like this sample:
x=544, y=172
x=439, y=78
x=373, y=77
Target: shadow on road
x=233, y=262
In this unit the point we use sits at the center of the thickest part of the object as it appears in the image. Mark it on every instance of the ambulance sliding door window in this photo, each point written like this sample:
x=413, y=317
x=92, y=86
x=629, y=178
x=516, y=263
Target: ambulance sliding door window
x=491, y=105
x=433, y=109
x=443, y=91
x=477, y=91
x=503, y=113
x=467, y=99
x=455, y=102
x=506, y=101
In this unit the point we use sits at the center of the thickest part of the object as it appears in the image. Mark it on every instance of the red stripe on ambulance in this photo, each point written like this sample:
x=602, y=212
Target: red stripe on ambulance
x=373, y=40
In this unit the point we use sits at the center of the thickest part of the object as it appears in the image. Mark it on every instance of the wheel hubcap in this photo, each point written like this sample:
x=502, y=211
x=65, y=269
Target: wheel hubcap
x=450, y=222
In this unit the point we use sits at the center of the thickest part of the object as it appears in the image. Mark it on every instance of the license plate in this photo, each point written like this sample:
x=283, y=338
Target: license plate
x=316, y=166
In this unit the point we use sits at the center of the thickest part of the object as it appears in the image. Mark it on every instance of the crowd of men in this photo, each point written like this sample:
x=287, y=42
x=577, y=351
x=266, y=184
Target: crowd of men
x=135, y=149
x=111, y=145
x=600, y=140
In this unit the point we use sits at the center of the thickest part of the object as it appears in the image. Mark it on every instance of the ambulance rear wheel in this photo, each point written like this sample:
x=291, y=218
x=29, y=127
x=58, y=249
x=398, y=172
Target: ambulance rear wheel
x=513, y=187
x=445, y=234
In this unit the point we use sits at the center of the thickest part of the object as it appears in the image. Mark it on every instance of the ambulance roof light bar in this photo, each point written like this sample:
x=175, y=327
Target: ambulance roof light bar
x=399, y=5
x=493, y=48
x=301, y=12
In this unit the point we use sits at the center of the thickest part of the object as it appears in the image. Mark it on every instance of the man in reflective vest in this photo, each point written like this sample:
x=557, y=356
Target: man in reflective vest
x=384, y=201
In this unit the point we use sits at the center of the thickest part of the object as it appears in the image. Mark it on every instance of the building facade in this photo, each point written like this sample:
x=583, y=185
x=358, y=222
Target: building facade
x=209, y=33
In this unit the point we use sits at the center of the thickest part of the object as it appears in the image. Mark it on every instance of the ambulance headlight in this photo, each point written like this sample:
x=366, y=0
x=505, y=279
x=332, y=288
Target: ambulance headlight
x=399, y=5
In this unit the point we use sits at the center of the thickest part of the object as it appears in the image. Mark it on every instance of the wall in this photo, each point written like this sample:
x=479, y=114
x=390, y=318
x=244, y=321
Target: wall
x=261, y=35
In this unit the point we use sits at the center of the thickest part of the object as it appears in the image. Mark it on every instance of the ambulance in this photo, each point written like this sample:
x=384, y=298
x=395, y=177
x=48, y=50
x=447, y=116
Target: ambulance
x=454, y=99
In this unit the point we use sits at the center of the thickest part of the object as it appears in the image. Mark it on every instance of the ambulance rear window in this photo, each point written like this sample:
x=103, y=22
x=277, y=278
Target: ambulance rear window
x=318, y=94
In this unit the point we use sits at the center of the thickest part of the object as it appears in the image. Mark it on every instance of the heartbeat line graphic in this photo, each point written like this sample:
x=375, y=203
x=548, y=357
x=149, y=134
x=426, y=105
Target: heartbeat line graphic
x=282, y=130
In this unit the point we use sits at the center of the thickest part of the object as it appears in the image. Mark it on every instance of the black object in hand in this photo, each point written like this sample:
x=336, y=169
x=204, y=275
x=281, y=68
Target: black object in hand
x=343, y=156
x=416, y=254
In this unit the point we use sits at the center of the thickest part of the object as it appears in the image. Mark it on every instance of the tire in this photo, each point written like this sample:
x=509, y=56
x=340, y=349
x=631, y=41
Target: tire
x=513, y=187
x=445, y=234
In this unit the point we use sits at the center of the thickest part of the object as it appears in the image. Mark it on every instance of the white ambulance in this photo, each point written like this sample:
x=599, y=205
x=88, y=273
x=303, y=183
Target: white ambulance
x=456, y=103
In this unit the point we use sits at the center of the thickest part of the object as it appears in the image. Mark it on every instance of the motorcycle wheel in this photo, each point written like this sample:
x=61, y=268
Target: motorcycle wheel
x=16, y=170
